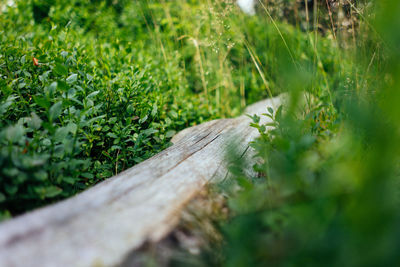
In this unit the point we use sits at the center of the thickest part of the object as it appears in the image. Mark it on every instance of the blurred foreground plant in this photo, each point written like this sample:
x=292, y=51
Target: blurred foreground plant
x=327, y=190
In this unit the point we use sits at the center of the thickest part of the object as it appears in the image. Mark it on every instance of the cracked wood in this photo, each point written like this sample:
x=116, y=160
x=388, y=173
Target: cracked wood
x=100, y=226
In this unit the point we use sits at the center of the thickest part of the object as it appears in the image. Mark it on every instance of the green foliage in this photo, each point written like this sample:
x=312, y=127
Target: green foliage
x=76, y=107
x=90, y=88
x=326, y=193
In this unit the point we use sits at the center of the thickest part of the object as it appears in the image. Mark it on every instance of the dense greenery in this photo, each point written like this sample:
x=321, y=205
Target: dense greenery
x=92, y=87
x=77, y=107
x=327, y=189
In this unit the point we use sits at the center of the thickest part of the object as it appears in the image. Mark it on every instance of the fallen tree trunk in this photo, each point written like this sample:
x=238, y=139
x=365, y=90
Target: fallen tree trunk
x=100, y=226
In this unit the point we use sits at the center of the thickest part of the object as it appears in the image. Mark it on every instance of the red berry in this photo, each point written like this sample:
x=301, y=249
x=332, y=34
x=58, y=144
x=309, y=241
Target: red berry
x=35, y=61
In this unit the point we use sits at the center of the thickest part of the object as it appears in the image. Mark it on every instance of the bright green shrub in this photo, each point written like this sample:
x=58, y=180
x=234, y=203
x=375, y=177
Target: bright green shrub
x=77, y=108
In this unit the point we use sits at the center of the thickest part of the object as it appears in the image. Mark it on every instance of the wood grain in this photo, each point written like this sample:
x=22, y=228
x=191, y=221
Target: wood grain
x=100, y=226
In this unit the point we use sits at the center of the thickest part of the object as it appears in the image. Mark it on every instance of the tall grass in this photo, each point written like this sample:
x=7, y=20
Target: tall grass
x=327, y=183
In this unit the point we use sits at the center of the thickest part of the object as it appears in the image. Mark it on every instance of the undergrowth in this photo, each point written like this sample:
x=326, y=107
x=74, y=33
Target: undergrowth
x=91, y=88
x=327, y=184
x=326, y=189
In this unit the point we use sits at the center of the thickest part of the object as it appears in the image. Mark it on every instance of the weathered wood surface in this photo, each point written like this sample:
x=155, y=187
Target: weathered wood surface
x=100, y=226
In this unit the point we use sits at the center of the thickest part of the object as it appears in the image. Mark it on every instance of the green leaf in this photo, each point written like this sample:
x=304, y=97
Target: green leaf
x=87, y=175
x=60, y=69
x=150, y=131
x=92, y=120
x=51, y=89
x=115, y=147
x=69, y=180
x=170, y=133
x=154, y=111
x=52, y=191
x=72, y=78
x=23, y=59
x=93, y=94
x=72, y=127
x=32, y=162
x=173, y=114
x=112, y=135
x=55, y=110
x=48, y=192
x=61, y=134
x=6, y=104
x=11, y=172
x=63, y=86
x=278, y=114
x=21, y=85
x=15, y=133
x=11, y=189
x=143, y=119
x=46, y=142
x=35, y=121
x=41, y=175
x=42, y=101
x=89, y=77
x=59, y=151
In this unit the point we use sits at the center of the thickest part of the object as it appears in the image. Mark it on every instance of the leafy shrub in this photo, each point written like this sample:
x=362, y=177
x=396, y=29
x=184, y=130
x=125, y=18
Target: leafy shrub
x=76, y=109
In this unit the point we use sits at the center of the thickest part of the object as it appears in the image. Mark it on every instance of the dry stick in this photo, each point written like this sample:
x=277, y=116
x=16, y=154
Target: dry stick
x=307, y=15
x=331, y=18
x=116, y=163
x=353, y=29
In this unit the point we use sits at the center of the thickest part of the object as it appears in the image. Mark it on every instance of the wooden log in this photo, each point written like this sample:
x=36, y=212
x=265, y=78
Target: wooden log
x=101, y=225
